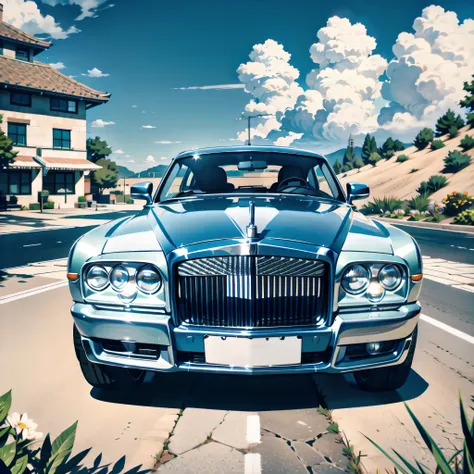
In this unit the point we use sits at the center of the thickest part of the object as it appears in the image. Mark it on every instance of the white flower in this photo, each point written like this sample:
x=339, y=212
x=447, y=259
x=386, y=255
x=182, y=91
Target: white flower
x=400, y=212
x=24, y=426
x=414, y=212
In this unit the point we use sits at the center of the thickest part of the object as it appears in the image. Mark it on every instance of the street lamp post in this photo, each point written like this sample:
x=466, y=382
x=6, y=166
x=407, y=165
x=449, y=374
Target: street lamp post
x=249, y=117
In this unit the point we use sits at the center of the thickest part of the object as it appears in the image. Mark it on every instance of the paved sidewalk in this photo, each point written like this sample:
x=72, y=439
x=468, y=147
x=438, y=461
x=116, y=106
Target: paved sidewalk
x=28, y=221
x=458, y=275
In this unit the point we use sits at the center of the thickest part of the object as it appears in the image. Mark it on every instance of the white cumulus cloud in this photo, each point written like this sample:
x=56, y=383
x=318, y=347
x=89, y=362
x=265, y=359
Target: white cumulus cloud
x=150, y=159
x=147, y=126
x=119, y=152
x=26, y=15
x=89, y=8
x=130, y=161
x=58, y=66
x=426, y=76
x=99, y=123
x=94, y=72
x=212, y=87
x=166, y=142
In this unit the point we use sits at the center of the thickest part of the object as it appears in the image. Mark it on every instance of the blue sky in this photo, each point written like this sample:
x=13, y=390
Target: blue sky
x=148, y=49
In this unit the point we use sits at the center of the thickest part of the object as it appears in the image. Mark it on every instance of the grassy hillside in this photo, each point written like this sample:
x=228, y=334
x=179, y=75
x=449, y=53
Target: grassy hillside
x=401, y=180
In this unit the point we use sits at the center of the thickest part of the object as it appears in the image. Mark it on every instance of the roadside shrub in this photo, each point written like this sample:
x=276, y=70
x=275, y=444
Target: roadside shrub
x=359, y=163
x=402, y=158
x=374, y=158
x=414, y=170
x=453, y=131
x=129, y=201
x=437, y=144
x=436, y=213
x=456, y=161
x=467, y=143
x=116, y=192
x=465, y=217
x=436, y=182
x=461, y=461
x=455, y=203
x=423, y=139
x=423, y=189
x=34, y=206
x=20, y=453
x=416, y=215
x=81, y=199
x=385, y=205
x=48, y=205
x=418, y=203
x=13, y=199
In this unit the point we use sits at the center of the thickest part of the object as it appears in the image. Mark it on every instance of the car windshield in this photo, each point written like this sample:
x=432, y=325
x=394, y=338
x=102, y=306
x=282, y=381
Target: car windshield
x=250, y=172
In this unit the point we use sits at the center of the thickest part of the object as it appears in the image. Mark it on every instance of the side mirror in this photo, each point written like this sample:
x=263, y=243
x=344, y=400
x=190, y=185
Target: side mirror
x=144, y=192
x=357, y=191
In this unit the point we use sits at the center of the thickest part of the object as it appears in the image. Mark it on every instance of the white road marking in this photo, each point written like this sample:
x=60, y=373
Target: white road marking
x=32, y=245
x=253, y=463
x=445, y=327
x=32, y=292
x=253, y=429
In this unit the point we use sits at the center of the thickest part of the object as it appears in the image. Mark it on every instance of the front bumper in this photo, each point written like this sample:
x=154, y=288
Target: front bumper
x=324, y=349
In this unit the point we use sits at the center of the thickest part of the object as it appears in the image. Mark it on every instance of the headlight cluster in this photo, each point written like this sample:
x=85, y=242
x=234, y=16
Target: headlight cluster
x=124, y=279
x=373, y=280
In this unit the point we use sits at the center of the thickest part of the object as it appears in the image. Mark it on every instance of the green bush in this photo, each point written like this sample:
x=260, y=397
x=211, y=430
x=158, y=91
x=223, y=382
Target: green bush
x=386, y=205
x=48, y=205
x=13, y=199
x=423, y=139
x=117, y=192
x=456, y=161
x=453, y=131
x=437, y=144
x=467, y=143
x=34, y=206
x=20, y=453
x=455, y=203
x=81, y=199
x=129, y=201
x=465, y=217
x=418, y=203
x=461, y=461
x=436, y=182
x=423, y=189
x=402, y=158
x=374, y=158
x=414, y=170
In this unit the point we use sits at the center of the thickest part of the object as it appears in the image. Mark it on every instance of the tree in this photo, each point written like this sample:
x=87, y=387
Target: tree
x=374, y=158
x=366, y=149
x=97, y=149
x=107, y=176
x=389, y=148
x=7, y=155
x=468, y=102
x=424, y=138
x=447, y=121
x=373, y=145
x=358, y=163
x=349, y=157
x=398, y=145
x=337, y=167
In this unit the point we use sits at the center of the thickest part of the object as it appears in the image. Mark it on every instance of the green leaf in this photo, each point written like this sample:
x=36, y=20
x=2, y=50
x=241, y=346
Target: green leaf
x=73, y=462
x=4, y=435
x=61, y=448
x=395, y=463
x=7, y=453
x=333, y=428
x=20, y=465
x=407, y=464
x=5, y=404
x=45, y=452
x=432, y=446
x=466, y=429
x=420, y=467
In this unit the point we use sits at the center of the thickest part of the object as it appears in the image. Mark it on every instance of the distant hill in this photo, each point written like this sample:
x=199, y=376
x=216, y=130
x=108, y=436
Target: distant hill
x=124, y=172
x=339, y=154
x=157, y=171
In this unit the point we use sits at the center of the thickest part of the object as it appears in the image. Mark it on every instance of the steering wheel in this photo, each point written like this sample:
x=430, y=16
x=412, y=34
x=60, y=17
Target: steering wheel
x=293, y=188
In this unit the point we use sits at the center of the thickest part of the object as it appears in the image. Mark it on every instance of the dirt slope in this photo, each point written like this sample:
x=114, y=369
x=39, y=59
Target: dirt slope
x=401, y=180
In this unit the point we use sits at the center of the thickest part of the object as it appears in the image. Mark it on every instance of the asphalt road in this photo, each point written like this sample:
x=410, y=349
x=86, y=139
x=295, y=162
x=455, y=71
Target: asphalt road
x=256, y=424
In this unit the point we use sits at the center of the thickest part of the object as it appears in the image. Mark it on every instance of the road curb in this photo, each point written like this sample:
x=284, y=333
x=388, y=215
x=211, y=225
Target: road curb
x=429, y=225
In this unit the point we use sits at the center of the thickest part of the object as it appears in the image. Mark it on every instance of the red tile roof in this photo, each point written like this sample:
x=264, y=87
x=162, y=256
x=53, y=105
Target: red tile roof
x=10, y=32
x=44, y=77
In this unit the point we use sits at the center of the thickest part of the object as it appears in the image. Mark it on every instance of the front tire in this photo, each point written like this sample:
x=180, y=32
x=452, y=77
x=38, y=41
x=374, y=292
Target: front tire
x=388, y=378
x=103, y=376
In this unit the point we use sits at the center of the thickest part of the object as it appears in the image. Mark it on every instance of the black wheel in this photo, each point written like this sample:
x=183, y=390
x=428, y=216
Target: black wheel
x=103, y=376
x=387, y=378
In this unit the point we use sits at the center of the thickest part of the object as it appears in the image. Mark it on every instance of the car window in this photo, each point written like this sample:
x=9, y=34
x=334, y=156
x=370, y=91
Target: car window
x=320, y=178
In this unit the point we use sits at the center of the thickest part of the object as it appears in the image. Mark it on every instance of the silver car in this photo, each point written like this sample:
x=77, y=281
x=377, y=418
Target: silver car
x=246, y=260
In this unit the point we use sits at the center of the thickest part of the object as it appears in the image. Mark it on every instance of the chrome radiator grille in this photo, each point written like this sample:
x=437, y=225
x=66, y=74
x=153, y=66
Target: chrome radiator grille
x=250, y=291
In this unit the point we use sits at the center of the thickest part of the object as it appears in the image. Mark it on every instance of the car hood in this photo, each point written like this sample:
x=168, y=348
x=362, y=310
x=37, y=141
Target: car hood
x=294, y=218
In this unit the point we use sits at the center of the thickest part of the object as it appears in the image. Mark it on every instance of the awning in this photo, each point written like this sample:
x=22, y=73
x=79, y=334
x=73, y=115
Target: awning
x=66, y=164
x=25, y=162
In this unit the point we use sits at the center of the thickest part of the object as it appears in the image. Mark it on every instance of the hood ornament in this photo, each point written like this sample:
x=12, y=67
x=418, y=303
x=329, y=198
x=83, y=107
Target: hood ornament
x=252, y=228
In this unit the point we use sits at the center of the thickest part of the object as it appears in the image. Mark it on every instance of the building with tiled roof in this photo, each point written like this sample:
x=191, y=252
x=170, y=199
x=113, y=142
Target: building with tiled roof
x=44, y=114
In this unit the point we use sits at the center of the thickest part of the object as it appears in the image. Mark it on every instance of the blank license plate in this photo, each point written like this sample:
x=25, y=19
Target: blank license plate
x=257, y=352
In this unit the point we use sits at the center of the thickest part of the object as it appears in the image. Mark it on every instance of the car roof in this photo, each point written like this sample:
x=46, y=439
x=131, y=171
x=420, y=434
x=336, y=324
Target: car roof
x=251, y=148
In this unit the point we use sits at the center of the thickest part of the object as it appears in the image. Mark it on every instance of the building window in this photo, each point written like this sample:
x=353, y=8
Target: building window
x=17, y=133
x=61, y=138
x=58, y=182
x=15, y=182
x=20, y=98
x=62, y=105
x=22, y=55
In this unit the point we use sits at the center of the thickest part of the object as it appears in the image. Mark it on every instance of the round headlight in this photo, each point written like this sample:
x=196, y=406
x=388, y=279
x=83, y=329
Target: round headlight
x=355, y=279
x=97, y=278
x=119, y=277
x=148, y=279
x=390, y=277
